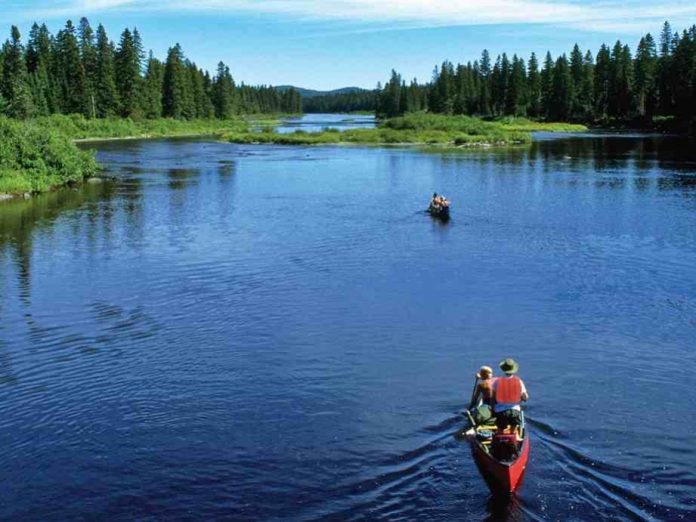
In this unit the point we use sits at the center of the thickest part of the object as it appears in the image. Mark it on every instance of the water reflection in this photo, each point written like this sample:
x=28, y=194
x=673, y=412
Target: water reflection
x=504, y=509
x=320, y=122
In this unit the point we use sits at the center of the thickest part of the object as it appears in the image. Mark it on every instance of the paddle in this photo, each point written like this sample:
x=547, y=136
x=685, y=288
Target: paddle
x=462, y=432
x=473, y=392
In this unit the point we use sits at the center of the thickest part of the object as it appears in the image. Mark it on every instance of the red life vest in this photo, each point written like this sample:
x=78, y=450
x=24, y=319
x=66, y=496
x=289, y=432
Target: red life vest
x=507, y=390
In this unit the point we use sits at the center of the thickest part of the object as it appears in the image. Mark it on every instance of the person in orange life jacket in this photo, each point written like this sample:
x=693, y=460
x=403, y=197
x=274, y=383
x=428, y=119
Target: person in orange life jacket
x=508, y=392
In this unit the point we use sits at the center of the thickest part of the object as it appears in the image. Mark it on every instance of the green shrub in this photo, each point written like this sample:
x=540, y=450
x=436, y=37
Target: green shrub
x=35, y=159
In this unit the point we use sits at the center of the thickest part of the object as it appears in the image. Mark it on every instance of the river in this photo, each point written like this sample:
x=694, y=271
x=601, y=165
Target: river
x=280, y=333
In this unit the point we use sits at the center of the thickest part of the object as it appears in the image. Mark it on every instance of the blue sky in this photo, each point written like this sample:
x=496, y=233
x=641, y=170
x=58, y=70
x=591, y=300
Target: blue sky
x=326, y=44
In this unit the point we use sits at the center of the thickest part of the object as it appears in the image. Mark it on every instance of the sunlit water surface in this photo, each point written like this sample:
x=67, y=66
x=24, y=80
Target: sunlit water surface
x=266, y=333
x=320, y=122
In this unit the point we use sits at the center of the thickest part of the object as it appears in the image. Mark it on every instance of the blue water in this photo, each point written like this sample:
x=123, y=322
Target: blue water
x=320, y=122
x=266, y=333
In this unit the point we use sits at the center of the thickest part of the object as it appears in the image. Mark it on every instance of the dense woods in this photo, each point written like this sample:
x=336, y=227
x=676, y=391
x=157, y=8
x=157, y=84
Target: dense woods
x=359, y=100
x=613, y=86
x=81, y=71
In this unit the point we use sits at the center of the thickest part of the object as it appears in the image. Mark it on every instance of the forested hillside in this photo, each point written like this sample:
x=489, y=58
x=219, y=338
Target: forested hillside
x=659, y=82
x=80, y=71
x=357, y=100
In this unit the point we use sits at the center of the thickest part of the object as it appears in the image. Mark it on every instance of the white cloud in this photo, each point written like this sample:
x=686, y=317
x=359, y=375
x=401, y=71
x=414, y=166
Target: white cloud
x=592, y=15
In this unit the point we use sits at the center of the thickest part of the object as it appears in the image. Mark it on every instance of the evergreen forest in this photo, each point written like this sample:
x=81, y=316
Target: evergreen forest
x=658, y=82
x=81, y=71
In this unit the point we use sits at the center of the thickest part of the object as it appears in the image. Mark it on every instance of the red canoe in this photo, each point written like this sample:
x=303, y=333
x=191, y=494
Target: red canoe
x=502, y=476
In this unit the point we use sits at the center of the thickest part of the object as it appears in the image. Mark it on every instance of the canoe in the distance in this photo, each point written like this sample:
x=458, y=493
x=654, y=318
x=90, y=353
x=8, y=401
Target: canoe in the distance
x=439, y=212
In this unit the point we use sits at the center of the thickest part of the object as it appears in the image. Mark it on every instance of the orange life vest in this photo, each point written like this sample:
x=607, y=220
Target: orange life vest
x=507, y=390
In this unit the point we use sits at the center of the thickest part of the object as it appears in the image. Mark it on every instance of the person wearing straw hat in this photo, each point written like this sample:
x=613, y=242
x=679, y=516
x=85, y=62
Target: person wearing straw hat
x=509, y=392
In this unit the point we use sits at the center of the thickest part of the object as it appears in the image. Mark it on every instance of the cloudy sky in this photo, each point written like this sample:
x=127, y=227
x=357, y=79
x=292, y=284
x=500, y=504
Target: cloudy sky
x=327, y=44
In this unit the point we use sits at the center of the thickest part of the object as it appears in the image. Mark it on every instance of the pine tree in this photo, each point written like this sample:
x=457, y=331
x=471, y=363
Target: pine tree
x=390, y=99
x=666, y=40
x=562, y=92
x=127, y=65
x=461, y=93
x=152, y=90
x=443, y=90
x=645, y=77
x=69, y=73
x=224, y=99
x=106, y=97
x=547, y=85
x=38, y=60
x=484, y=103
x=577, y=70
x=203, y=106
x=14, y=88
x=516, y=102
x=32, y=55
x=602, y=78
x=684, y=90
x=665, y=76
x=497, y=87
x=620, y=82
x=503, y=84
x=174, y=91
x=534, y=87
x=88, y=54
x=585, y=96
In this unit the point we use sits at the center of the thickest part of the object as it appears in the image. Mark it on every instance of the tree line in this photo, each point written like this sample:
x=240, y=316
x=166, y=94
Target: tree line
x=660, y=81
x=80, y=71
x=362, y=100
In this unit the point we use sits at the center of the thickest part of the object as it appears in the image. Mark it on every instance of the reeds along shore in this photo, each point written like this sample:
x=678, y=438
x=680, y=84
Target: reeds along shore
x=40, y=154
x=417, y=128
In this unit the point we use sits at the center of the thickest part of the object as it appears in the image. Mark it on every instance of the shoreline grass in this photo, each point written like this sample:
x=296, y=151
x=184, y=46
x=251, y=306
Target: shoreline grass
x=41, y=154
x=415, y=129
x=77, y=127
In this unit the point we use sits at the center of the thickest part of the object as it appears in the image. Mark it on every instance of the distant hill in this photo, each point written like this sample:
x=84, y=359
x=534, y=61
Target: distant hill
x=310, y=93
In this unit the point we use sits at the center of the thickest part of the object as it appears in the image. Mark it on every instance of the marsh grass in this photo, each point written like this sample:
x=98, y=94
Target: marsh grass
x=80, y=128
x=40, y=154
x=417, y=129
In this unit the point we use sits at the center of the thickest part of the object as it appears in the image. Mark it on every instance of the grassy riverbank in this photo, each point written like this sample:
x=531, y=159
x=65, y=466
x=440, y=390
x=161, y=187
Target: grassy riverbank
x=35, y=159
x=416, y=129
x=40, y=154
x=79, y=128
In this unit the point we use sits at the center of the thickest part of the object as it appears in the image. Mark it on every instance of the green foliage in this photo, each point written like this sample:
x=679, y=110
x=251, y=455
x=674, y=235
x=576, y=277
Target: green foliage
x=69, y=73
x=80, y=72
x=78, y=127
x=14, y=87
x=415, y=128
x=224, y=95
x=617, y=87
x=152, y=92
x=106, y=97
x=353, y=102
x=35, y=159
x=88, y=55
x=127, y=64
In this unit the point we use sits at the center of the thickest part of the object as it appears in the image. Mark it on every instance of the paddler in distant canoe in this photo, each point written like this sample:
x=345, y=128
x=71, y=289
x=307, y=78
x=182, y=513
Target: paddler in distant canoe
x=438, y=202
